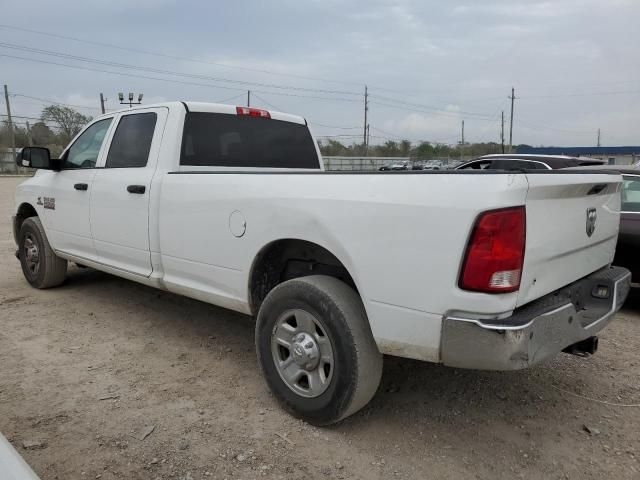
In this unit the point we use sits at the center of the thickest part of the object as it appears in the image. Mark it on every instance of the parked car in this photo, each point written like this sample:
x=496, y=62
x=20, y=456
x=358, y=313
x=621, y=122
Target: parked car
x=527, y=162
x=404, y=165
x=628, y=246
x=230, y=205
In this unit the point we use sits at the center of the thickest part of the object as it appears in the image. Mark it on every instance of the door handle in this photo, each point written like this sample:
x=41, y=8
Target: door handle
x=81, y=186
x=136, y=189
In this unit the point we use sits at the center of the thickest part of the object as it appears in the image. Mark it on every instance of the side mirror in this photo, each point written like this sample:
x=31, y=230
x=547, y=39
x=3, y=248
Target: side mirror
x=35, y=157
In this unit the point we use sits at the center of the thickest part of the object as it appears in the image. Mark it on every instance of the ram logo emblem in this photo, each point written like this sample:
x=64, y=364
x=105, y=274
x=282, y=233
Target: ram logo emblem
x=592, y=216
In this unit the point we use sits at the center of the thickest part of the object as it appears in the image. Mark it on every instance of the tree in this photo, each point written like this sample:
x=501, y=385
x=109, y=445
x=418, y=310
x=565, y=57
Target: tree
x=42, y=135
x=19, y=135
x=68, y=120
x=405, y=148
x=389, y=149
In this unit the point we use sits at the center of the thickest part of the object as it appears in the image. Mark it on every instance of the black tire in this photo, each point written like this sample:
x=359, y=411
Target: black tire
x=50, y=270
x=357, y=367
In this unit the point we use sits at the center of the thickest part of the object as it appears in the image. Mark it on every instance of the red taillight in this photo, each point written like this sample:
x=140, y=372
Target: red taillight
x=253, y=112
x=493, y=261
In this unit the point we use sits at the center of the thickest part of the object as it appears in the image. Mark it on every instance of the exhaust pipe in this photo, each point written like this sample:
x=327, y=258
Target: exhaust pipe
x=586, y=347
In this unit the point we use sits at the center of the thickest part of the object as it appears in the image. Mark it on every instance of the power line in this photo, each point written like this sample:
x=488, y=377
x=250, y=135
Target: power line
x=335, y=126
x=439, y=113
x=312, y=78
x=391, y=135
x=20, y=116
x=267, y=103
x=230, y=98
x=586, y=94
x=188, y=59
x=531, y=126
x=167, y=80
x=51, y=127
x=426, y=107
x=177, y=57
x=108, y=63
x=44, y=100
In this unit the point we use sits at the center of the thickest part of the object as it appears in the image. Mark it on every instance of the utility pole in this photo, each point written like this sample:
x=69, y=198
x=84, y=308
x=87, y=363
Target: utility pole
x=598, y=138
x=366, y=110
x=366, y=147
x=502, y=132
x=248, y=98
x=29, y=142
x=513, y=97
x=11, y=133
x=462, y=141
x=102, y=99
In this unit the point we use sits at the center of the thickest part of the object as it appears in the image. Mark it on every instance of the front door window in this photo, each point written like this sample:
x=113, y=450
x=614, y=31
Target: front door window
x=84, y=151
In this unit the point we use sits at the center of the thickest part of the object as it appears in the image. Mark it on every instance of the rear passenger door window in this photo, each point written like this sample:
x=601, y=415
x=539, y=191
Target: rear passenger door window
x=131, y=142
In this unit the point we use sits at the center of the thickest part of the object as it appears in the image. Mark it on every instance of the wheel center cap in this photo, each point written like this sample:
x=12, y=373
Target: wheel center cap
x=305, y=351
x=32, y=254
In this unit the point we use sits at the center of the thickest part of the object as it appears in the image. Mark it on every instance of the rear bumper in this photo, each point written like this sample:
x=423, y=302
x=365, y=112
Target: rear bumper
x=540, y=329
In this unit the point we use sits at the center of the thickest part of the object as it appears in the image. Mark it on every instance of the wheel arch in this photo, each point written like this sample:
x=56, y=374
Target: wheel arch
x=24, y=211
x=287, y=258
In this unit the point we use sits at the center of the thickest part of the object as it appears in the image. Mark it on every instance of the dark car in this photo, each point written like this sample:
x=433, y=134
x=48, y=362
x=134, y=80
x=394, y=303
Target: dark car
x=527, y=162
x=403, y=165
x=628, y=247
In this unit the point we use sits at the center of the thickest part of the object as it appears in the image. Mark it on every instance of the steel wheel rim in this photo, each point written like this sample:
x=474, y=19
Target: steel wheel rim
x=302, y=353
x=31, y=254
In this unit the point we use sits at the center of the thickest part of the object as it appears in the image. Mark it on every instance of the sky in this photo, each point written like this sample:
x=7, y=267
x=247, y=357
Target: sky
x=428, y=65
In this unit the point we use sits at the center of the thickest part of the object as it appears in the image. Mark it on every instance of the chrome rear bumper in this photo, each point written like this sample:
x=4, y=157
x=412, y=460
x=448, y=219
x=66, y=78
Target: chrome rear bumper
x=538, y=330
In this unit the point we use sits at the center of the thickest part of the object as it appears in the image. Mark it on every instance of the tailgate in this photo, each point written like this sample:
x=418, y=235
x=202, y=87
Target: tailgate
x=572, y=228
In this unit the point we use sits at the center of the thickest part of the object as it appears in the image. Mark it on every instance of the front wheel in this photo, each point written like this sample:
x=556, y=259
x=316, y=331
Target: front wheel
x=40, y=265
x=316, y=349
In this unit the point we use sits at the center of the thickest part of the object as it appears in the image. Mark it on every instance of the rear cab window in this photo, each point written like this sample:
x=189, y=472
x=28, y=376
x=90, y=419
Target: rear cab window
x=227, y=140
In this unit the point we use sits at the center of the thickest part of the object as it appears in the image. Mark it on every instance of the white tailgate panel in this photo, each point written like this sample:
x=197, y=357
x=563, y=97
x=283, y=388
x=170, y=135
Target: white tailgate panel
x=559, y=251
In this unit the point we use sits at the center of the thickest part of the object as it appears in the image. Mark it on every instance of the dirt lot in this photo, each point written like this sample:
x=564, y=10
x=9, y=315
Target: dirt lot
x=87, y=369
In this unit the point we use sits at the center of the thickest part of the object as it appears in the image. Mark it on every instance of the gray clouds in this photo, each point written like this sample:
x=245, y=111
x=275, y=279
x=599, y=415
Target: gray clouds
x=453, y=57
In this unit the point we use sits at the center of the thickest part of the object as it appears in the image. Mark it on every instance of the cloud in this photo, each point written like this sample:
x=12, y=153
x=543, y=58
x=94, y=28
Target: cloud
x=458, y=56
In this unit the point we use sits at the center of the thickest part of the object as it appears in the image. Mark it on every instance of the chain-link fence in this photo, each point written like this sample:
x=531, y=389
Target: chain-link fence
x=8, y=164
x=360, y=163
x=375, y=163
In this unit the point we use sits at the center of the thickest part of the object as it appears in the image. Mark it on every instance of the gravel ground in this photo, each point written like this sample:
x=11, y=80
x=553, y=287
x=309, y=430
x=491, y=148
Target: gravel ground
x=105, y=378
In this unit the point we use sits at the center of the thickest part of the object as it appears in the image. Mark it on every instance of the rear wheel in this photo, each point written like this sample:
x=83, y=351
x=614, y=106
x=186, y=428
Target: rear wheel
x=40, y=265
x=316, y=349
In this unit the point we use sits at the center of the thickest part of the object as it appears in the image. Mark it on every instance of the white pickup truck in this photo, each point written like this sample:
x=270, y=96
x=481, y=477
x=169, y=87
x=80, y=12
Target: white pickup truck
x=230, y=205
